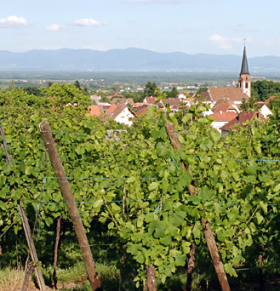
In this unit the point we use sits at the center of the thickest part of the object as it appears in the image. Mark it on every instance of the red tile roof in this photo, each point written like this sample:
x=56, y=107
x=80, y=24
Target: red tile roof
x=118, y=109
x=142, y=110
x=94, y=110
x=138, y=104
x=151, y=100
x=220, y=102
x=122, y=101
x=220, y=116
x=233, y=94
x=174, y=102
x=204, y=96
x=111, y=109
x=241, y=118
x=190, y=99
x=222, y=107
x=270, y=98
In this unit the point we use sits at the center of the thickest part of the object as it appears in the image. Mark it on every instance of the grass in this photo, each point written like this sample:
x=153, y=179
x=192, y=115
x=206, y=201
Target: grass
x=77, y=274
x=72, y=275
x=12, y=280
x=74, y=279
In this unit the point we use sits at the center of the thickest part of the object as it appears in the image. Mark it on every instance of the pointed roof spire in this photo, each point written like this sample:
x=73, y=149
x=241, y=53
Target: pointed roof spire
x=244, y=67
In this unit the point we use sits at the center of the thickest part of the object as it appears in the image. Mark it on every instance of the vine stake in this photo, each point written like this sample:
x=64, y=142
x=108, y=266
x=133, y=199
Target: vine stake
x=219, y=268
x=71, y=204
x=24, y=220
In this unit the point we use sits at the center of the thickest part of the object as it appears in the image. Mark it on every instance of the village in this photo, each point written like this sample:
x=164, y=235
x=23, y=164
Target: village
x=224, y=103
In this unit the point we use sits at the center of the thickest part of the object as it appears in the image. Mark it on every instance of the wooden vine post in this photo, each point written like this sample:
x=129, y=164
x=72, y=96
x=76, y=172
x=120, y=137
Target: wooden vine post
x=31, y=247
x=219, y=268
x=27, y=231
x=57, y=238
x=28, y=272
x=71, y=204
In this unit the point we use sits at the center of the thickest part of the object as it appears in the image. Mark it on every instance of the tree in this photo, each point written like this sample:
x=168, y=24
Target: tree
x=264, y=89
x=250, y=105
x=173, y=93
x=33, y=91
x=49, y=84
x=104, y=98
x=77, y=84
x=136, y=96
x=201, y=89
x=151, y=89
x=12, y=85
x=115, y=88
x=274, y=104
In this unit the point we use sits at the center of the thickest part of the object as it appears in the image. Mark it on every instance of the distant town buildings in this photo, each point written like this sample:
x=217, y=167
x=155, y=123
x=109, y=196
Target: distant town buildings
x=224, y=103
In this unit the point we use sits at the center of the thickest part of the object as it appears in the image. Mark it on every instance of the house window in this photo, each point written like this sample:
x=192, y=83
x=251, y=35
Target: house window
x=246, y=85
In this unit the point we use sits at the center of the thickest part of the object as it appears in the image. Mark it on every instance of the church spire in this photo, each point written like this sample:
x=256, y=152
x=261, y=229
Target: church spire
x=244, y=77
x=244, y=67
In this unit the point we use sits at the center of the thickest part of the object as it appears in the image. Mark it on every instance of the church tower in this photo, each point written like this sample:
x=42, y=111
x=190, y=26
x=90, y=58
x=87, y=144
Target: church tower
x=244, y=77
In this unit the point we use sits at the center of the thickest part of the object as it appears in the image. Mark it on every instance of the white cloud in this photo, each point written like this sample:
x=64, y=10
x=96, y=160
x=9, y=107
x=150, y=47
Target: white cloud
x=223, y=42
x=89, y=22
x=55, y=27
x=13, y=21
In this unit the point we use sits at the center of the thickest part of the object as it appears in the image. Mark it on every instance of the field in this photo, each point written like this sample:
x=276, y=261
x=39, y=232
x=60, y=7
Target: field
x=106, y=80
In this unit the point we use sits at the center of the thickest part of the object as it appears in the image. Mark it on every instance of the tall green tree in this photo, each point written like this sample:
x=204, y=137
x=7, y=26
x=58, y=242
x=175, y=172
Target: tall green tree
x=77, y=84
x=12, y=85
x=173, y=93
x=274, y=104
x=249, y=105
x=151, y=89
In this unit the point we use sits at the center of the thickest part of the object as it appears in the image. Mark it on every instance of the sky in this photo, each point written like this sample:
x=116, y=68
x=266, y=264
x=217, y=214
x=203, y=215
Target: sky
x=190, y=26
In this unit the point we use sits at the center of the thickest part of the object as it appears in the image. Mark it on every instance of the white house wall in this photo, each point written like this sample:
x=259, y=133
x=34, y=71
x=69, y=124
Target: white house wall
x=265, y=111
x=218, y=125
x=125, y=117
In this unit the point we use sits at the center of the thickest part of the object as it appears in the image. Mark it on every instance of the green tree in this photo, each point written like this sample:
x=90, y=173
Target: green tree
x=12, y=85
x=151, y=89
x=136, y=96
x=33, y=91
x=249, y=105
x=115, y=88
x=173, y=93
x=264, y=89
x=274, y=104
x=49, y=84
x=201, y=89
x=77, y=84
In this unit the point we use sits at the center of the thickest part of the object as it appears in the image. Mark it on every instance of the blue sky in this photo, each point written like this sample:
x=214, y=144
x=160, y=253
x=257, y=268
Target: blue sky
x=190, y=26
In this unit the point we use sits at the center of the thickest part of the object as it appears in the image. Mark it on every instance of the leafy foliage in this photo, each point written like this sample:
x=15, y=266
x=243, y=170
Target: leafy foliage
x=262, y=90
x=249, y=105
x=150, y=89
x=136, y=187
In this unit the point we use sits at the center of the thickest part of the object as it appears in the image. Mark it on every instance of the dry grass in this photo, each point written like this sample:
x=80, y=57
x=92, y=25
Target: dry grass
x=12, y=280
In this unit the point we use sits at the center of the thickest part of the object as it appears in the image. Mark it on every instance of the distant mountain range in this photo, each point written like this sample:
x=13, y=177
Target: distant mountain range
x=131, y=59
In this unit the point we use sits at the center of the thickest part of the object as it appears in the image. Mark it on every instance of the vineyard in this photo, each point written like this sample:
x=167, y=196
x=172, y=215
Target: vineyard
x=151, y=202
